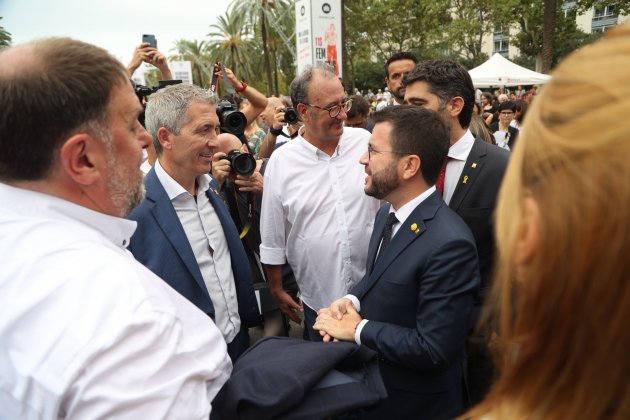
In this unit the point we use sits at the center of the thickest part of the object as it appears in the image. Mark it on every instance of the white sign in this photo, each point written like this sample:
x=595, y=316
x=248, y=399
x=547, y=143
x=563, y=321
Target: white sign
x=318, y=33
x=182, y=70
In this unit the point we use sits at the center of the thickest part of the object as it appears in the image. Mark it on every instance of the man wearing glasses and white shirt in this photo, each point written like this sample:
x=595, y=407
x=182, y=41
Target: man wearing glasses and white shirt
x=314, y=212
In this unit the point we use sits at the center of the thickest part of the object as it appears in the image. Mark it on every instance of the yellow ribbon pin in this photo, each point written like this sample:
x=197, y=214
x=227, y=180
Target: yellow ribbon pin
x=466, y=179
x=414, y=228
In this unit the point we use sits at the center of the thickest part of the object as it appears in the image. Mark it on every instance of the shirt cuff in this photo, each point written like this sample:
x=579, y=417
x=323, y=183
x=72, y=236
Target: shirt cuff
x=357, y=332
x=355, y=302
x=272, y=256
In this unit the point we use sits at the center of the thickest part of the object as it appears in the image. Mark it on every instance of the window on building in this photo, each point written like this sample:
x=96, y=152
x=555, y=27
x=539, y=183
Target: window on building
x=605, y=12
x=602, y=29
x=501, y=46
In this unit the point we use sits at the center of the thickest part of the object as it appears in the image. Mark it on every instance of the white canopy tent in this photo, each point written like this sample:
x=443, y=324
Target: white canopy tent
x=499, y=71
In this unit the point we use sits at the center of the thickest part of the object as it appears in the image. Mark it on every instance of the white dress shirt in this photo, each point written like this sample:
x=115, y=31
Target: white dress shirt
x=401, y=215
x=458, y=153
x=86, y=331
x=207, y=240
x=316, y=216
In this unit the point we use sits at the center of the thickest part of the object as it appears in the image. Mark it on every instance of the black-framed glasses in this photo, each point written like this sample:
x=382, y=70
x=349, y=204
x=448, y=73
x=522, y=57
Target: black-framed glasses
x=334, y=110
x=506, y=113
x=372, y=150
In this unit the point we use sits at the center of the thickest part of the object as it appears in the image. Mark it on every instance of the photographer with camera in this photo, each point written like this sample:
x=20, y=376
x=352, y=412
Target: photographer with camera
x=185, y=233
x=286, y=123
x=242, y=193
x=257, y=101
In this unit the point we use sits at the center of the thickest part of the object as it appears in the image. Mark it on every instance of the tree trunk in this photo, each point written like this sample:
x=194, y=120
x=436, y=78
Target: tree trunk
x=263, y=30
x=549, y=29
x=275, y=73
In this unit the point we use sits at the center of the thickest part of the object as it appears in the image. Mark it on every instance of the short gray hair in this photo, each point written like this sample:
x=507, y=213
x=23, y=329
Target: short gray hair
x=299, y=86
x=168, y=107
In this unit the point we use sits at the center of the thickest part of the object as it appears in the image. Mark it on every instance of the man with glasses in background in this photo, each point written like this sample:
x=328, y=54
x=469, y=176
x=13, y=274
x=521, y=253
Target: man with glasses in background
x=314, y=212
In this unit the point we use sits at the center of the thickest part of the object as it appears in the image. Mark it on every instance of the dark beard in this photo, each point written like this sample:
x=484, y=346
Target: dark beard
x=383, y=183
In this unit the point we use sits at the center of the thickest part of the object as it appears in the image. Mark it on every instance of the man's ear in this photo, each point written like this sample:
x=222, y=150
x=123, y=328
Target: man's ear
x=455, y=106
x=164, y=137
x=529, y=232
x=411, y=166
x=302, y=110
x=82, y=158
x=244, y=148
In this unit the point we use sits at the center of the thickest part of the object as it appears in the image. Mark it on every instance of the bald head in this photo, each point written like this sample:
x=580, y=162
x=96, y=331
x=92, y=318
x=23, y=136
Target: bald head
x=228, y=142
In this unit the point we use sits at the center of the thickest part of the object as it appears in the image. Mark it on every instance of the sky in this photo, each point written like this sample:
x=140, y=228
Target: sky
x=116, y=25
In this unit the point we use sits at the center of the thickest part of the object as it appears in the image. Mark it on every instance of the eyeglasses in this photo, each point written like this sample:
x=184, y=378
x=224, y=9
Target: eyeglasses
x=506, y=113
x=334, y=110
x=371, y=150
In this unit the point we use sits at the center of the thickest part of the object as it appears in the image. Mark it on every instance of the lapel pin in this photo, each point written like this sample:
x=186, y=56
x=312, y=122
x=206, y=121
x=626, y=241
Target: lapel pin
x=465, y=179
x=474, y=165
x=414, y=228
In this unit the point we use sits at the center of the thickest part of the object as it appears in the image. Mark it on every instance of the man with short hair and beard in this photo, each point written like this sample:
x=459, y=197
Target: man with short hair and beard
x=185, y=233
x=469, y=184
x=86, y=331
x=414, y=304
x=396, y=68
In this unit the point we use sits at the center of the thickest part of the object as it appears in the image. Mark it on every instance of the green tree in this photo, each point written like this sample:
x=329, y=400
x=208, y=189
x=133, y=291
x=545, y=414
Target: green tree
x=390, y=26
x=472, y=20
x=623, y=6
x=528, y=17
x=5, y=37
x=230, y=42
x=259, y=13
x=198, y=53
x=377, y=29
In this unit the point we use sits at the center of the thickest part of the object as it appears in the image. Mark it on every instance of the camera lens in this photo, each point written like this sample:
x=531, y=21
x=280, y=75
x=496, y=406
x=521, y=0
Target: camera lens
x=242, y=163
x=291, y=116
x=234, y=122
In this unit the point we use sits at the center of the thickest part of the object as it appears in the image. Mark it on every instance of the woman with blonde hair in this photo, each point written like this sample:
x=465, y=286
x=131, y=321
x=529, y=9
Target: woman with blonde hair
x=563, y=232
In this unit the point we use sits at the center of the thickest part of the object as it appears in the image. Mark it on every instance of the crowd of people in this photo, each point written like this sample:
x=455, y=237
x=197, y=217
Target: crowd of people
x=485, y=277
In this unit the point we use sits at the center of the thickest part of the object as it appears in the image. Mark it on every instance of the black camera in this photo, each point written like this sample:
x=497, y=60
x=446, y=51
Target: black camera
x=242, y=163
x=144, y=91
x=291, y=116
x=230, y=118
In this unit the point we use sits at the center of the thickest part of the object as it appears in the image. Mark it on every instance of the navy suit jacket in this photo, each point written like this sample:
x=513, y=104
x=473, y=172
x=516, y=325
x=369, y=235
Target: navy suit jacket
x=418, y=298
x=160, y=243
x=475, y=197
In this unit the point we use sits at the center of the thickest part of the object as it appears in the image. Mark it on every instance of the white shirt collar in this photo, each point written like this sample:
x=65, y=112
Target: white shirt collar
x=314, y=150
x=116, y=229
x=405, y=211
x=462, y=147
x=173, y=188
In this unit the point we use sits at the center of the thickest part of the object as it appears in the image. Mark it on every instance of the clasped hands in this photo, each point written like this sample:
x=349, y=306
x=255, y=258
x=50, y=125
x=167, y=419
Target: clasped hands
x=339, y=322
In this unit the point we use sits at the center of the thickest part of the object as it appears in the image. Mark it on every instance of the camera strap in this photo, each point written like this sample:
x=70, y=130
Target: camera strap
x=250, y=215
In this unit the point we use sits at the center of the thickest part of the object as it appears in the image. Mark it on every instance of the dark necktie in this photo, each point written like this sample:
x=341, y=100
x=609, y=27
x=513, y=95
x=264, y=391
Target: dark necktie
x=439, y=184
x=387, y=233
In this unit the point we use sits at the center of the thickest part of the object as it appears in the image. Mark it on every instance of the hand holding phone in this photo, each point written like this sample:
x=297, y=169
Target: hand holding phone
x=150, y=39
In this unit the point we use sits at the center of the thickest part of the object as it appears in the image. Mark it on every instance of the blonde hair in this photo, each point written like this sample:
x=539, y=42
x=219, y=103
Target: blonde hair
x=564, y=323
